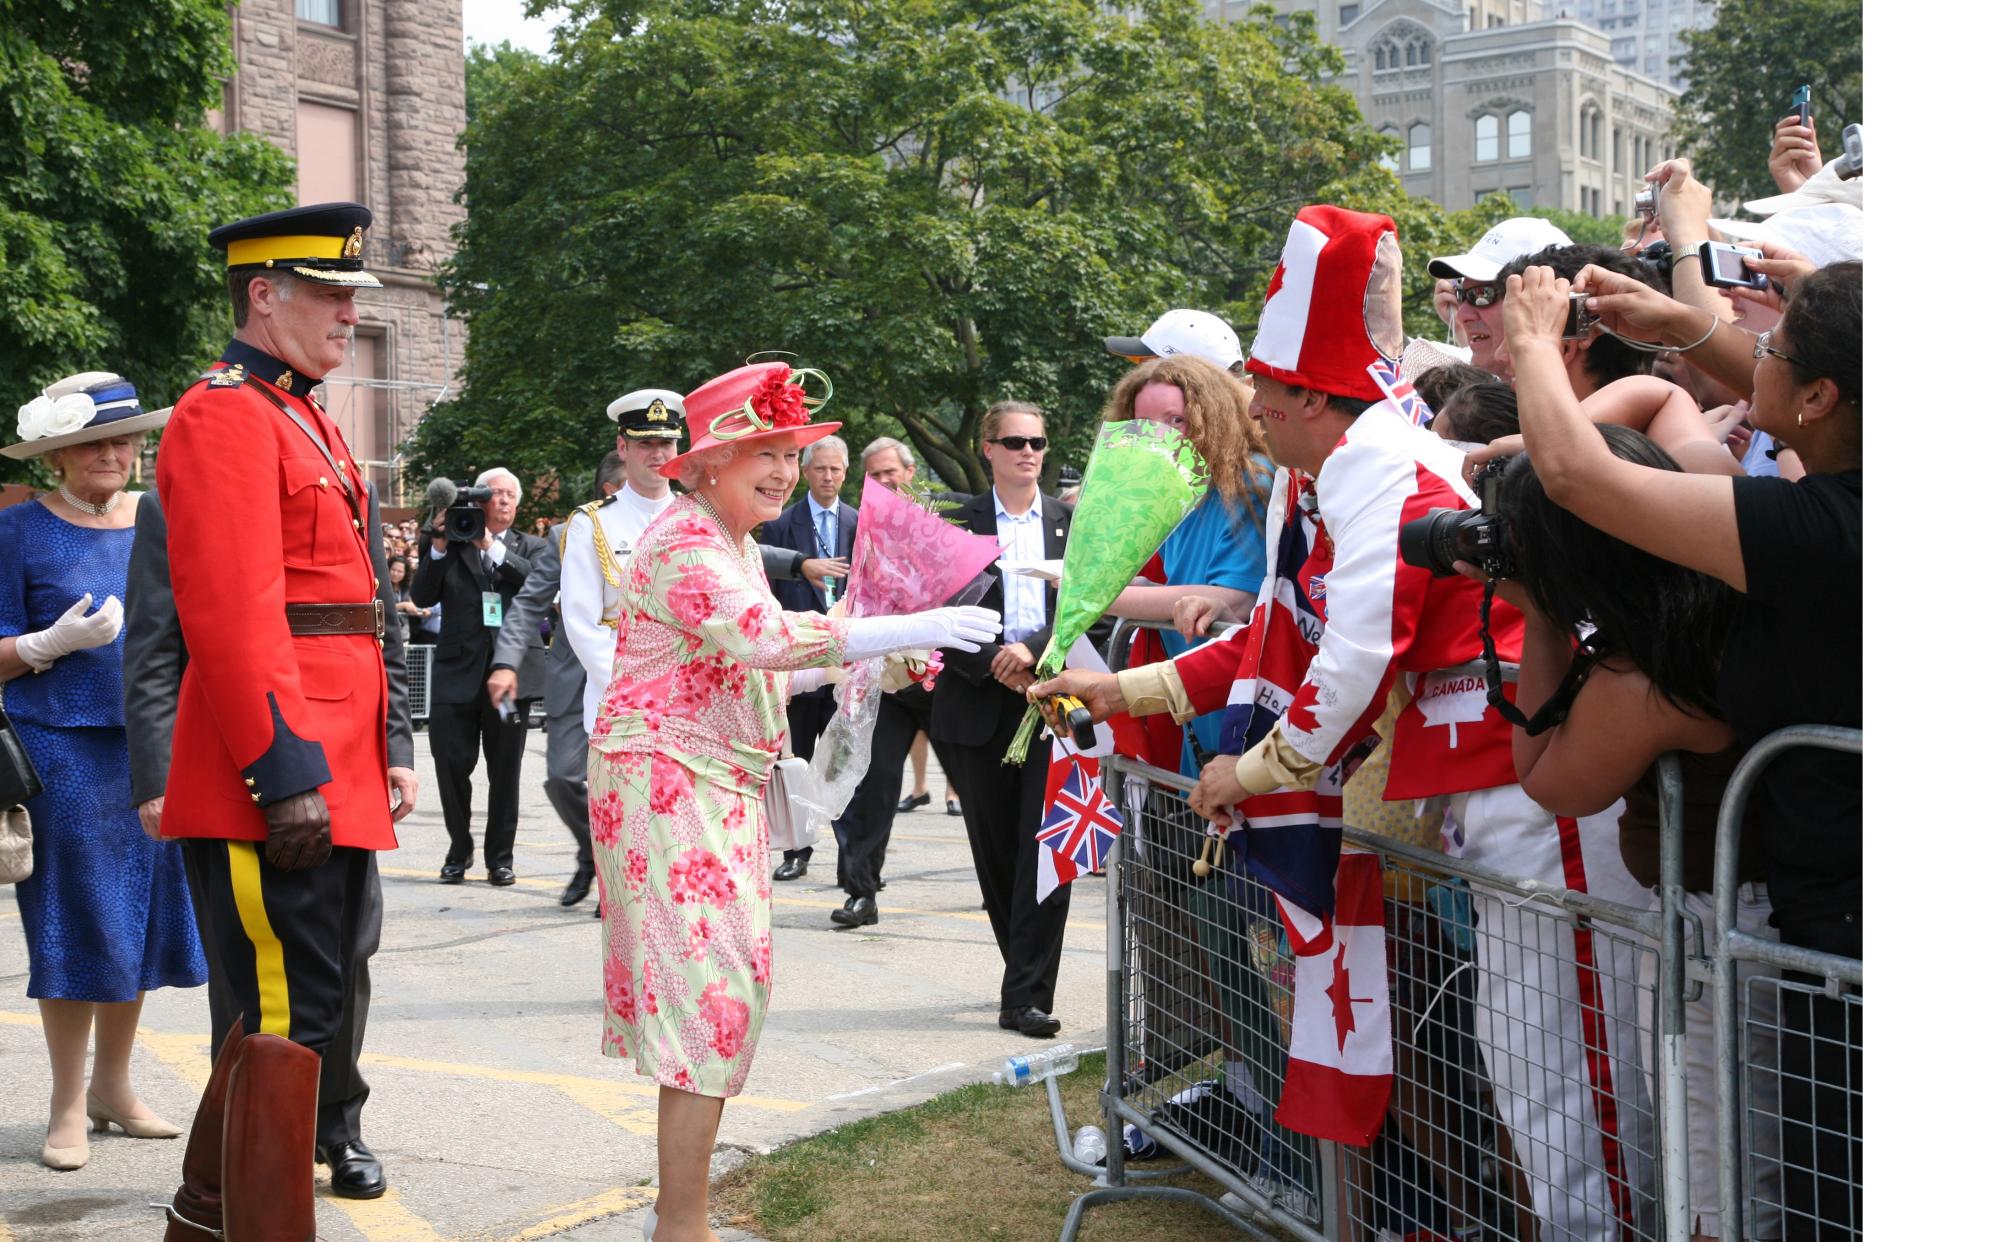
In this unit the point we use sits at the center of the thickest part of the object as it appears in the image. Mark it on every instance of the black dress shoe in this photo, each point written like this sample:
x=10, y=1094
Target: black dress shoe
x=357, y=1174
x=790, y=869
x=579, y=885
x=500, y=877
x=451, y=873
x=1030, y=1021
x=912, y=802
x=858, y=912
x=951, y=807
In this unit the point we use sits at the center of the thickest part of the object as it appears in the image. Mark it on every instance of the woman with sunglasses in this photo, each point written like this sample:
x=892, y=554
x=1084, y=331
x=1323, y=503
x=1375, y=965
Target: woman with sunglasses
x=1791, y=654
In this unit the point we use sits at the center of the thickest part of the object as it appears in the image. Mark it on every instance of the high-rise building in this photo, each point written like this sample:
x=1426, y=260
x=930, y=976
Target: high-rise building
x=1647, y=36
x=369, y=97
x=1496, y=95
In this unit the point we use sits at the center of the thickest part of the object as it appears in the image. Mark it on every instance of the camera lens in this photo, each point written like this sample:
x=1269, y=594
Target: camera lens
x=1433, y=541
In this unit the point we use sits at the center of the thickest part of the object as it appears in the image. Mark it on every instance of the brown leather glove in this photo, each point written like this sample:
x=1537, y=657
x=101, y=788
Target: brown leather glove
x=301, y=832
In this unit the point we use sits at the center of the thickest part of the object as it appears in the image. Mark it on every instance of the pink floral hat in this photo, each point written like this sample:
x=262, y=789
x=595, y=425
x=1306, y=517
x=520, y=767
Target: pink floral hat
x=754, y=403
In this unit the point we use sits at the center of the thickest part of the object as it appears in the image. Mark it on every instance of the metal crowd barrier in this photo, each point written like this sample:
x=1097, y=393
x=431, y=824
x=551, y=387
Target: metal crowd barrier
x=417, y=664
x=1199, y=1004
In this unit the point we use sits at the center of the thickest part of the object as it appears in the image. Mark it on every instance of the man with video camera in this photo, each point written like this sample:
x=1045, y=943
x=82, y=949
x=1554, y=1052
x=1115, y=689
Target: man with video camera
x=476, y=564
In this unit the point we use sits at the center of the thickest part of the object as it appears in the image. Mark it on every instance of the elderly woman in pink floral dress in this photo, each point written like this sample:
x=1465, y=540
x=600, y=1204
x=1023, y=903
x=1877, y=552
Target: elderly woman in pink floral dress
x=690, y=725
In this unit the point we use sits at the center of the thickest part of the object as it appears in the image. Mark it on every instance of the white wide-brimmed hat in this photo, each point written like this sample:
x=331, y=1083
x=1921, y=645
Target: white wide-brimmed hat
x=93, y=405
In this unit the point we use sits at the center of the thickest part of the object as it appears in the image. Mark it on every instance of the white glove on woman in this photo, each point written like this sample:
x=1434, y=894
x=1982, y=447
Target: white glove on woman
x=73, y=631
x=961, y=629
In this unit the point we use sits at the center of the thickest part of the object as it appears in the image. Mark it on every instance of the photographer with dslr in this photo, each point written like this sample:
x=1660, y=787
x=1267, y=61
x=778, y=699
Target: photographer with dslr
x=475, y=565
x=1791, y=653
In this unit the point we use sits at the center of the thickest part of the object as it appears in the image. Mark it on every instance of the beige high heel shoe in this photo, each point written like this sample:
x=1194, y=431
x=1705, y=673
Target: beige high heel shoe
x=102, y=1118
x=66, y=1159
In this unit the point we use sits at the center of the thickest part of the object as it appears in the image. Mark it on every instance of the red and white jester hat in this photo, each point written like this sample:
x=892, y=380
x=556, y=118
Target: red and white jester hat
x=1335, y=304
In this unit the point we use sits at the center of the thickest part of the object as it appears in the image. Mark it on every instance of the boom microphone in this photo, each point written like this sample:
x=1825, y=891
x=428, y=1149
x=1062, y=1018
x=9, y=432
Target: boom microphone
x=439, y=495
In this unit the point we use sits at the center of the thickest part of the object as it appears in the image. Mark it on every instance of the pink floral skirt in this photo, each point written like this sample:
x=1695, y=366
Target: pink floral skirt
x=683, y=863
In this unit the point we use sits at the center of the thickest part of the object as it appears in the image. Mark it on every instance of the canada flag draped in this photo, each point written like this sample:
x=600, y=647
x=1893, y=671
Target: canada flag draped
x=1342, y=1062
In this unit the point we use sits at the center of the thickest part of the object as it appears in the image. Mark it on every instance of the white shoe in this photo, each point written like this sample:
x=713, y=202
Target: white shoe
x=652, y=1220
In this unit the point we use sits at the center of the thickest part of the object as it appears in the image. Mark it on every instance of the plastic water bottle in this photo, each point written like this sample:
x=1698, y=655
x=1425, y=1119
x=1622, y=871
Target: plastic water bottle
x=1023, y=1070
x=1089, y=1145
x=1139, y=1145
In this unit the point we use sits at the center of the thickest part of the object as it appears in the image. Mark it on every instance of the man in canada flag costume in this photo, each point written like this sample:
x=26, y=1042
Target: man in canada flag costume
x=1304, y=680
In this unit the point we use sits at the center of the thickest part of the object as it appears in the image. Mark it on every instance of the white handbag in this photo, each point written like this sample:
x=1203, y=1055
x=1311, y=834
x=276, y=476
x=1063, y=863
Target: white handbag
x=789, y=808
x=17, y=846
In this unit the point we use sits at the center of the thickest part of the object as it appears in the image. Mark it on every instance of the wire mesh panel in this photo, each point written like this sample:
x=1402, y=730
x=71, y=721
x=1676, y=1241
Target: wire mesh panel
x=417, y=663
x=1809, y=1097
x=1209, y=1005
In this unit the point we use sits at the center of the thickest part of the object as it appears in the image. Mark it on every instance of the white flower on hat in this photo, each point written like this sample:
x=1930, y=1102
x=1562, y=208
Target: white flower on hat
x=43, y=417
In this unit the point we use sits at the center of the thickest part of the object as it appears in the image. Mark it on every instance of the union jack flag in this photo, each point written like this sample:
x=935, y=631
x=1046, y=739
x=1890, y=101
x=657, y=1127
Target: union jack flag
x=1401, y=393
x=1081, y=823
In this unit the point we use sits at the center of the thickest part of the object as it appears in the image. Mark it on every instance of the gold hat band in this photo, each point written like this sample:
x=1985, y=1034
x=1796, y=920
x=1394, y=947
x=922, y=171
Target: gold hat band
x=256, y=251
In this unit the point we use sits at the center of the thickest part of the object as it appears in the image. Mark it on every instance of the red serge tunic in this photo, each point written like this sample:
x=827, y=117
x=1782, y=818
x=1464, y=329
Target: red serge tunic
x=262, y=514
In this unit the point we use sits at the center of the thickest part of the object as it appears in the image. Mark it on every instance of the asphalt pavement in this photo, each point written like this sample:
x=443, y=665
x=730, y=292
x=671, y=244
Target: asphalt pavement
x=492, y=1109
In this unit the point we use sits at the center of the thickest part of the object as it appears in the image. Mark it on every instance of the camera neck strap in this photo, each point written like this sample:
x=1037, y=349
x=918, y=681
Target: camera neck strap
x=1549, y=714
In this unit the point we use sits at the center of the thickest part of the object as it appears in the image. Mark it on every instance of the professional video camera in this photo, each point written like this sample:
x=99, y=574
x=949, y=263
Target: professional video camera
x=464, y=520
x=1480, y=535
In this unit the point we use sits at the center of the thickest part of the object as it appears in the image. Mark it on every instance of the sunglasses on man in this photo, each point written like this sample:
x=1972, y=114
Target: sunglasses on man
x=1480, y=295
x=1015, y=444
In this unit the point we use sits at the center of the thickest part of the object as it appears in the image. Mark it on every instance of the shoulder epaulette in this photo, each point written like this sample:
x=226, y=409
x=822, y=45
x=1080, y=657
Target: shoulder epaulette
x=230, y=376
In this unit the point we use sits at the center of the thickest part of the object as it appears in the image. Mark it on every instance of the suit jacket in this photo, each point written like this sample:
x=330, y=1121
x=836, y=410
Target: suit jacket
x=465, y=645
x=794, y=529
x=969, y=707
x=518, y=645
x=264, y=509
x=155, y=656
x=562, y=689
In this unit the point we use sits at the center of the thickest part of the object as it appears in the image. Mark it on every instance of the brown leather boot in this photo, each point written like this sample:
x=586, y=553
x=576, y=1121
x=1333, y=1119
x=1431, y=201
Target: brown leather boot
x=267, y=1142
x=196, y=1213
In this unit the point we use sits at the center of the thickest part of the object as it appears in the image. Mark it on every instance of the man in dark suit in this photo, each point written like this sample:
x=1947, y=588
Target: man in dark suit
x=979, y=704
x=477, y=582
x=155, y=658
x=821, y=526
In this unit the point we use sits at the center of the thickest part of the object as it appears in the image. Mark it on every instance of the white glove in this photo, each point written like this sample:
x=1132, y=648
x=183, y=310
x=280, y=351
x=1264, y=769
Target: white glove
x=961, y=629
x=73, y=631
x=807, y=680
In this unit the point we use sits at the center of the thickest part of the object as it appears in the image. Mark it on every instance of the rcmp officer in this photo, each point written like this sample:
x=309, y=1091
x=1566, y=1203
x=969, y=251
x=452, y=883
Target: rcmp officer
x=280, y=782
x=599, y=537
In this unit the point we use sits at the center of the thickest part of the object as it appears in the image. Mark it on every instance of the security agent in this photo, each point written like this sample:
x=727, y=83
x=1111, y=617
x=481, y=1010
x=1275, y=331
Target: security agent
x=281, y=778
x=155, y=657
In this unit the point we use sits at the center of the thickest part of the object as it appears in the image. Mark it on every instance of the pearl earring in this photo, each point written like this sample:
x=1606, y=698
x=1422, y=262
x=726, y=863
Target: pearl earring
x=1802, y=418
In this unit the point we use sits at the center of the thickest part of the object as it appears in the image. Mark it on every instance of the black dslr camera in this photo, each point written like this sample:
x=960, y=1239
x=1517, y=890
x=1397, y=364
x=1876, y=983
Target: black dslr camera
x=464, y=520
x=1480, y=535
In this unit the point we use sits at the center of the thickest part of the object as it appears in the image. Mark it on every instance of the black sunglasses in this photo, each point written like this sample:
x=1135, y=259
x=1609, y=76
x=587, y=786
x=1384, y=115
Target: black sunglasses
x=1017, y=443
x=1480, y=295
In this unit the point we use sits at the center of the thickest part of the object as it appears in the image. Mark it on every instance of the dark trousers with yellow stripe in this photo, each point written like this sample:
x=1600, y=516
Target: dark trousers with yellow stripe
x=283, y=943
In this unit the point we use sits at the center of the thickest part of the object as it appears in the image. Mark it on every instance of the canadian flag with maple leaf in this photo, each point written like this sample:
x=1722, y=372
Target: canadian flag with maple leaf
x=1342, y=1062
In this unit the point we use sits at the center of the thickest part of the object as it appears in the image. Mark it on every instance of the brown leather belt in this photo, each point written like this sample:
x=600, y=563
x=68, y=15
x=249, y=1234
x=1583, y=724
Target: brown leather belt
x=336, y=618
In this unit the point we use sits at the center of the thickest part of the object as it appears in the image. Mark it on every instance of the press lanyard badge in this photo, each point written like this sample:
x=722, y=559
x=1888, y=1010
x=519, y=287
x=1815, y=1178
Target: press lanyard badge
x=489, y=605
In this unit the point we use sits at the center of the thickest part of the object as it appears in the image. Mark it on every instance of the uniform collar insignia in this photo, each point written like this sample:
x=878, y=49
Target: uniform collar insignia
x=271, y=370
x=285, y=381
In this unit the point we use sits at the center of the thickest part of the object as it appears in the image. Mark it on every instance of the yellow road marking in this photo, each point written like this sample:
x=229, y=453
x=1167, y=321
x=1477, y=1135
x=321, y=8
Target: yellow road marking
x=22, y=1019
x=385, y=1219
x=186, y=1055
x=587, y=1091
x=4, y=916
x=597, y=1207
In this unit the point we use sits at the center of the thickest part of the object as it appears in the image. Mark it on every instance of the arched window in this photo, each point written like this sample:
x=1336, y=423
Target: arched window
x=1486, y=138
x=1414, y=55
x=1381, y=58
x=1420, y=147
x=1395, y=56
x=1391, y=159
x=1520, y=134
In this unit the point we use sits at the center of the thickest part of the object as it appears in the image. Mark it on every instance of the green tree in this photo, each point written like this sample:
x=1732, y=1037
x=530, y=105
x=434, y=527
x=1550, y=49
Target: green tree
x=1741, y=75
x=939, y=202
x=110, y=179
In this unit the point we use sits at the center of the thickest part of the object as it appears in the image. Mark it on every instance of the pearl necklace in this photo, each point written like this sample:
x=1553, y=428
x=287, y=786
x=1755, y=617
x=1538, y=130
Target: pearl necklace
x=744, y=554
x=95, y=510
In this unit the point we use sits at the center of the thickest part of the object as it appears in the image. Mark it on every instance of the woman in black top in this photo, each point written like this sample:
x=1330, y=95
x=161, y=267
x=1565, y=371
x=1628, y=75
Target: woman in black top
x=1792, y=652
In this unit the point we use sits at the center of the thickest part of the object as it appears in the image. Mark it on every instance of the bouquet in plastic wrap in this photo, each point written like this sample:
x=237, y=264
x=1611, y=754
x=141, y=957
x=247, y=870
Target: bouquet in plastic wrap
x=1143, y=478
x=906, y=559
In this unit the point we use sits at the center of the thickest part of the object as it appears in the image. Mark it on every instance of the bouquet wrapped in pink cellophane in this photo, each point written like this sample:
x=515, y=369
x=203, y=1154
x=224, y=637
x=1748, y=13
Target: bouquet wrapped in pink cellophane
x=906, y=559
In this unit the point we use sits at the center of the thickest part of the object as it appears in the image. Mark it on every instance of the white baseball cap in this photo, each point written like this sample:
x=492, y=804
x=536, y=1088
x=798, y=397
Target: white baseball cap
x=1183, y=332
x=1503, y=243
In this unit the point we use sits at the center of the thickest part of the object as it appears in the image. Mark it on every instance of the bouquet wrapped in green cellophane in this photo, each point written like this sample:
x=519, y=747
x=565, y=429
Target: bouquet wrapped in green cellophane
x=1143, y=478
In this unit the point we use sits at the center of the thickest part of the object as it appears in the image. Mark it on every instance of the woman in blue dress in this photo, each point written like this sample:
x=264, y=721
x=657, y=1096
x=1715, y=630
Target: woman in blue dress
x=106, y=912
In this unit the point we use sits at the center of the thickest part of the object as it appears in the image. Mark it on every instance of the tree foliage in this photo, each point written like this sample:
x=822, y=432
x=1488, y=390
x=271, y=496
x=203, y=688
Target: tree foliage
x=110, y=178
x=939, y=202
x=1741, y=75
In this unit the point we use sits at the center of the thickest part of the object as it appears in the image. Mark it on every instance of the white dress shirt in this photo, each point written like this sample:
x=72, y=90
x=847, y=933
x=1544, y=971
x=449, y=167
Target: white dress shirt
x=586, y=598
x=1026, y=599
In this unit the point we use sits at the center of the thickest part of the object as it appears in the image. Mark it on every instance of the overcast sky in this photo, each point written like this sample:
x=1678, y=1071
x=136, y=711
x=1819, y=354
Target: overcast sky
x=492, y=21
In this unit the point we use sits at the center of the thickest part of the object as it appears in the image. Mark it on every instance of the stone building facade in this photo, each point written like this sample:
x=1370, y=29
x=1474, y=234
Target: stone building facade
x=1647, y=36
x=1495, y=95
x=369, y=97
